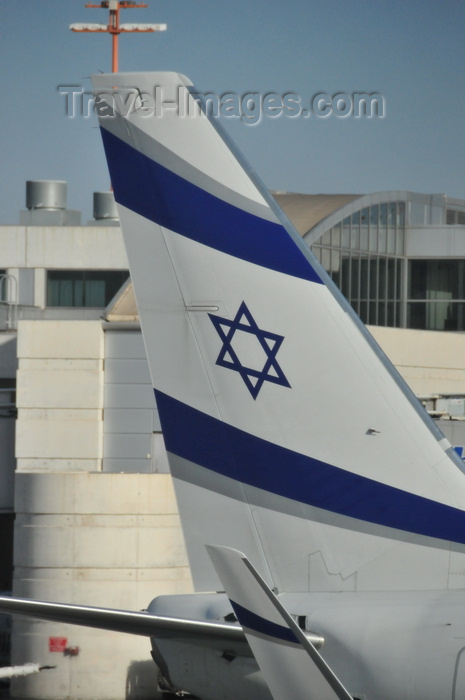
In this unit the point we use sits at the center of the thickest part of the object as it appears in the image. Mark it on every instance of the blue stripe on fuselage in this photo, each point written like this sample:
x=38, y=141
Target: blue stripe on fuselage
x=215, y=445
x=151, y=190
x=258, y=624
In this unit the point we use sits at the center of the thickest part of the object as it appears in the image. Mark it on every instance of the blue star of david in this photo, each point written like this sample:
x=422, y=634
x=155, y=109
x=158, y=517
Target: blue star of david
x=229, y=331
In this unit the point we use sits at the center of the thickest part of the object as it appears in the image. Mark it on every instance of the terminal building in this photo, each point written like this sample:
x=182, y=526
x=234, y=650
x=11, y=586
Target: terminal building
x=83, y=469
x=396, y=256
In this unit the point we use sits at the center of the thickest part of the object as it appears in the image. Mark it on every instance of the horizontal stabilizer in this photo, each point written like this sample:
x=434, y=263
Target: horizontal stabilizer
x=139, y=623
x=292, y=666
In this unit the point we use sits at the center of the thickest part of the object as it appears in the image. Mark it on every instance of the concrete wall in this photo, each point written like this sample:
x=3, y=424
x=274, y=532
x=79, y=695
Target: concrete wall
x=67, y=247
x=83, y=535
x=431, y=362
x=102, y=539
x=59, y=395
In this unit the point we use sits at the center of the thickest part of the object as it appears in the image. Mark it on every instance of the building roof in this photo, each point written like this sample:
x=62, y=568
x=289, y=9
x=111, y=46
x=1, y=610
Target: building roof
x=307, y=210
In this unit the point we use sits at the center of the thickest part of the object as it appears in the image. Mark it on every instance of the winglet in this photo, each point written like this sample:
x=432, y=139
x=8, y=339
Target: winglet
x=290, y=663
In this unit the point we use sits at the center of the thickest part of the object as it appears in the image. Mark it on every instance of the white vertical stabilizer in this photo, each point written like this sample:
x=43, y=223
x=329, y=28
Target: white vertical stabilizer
x=288, y=432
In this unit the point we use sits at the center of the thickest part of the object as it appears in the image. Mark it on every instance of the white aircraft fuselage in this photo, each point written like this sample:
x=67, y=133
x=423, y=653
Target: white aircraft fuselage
x=384, y=645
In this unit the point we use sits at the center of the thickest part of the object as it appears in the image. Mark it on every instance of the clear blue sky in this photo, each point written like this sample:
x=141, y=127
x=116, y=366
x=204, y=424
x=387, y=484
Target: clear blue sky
x=411, y=52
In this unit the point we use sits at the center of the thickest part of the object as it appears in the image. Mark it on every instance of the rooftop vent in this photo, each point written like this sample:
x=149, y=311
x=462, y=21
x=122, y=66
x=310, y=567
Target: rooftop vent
x=105, y=211
x=46, y=194
x=105, y=206
x=46, y=205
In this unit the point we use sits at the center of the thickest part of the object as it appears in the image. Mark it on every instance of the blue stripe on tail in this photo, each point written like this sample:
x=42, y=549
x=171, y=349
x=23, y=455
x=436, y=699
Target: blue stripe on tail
x=215, y=445
x=151, y=190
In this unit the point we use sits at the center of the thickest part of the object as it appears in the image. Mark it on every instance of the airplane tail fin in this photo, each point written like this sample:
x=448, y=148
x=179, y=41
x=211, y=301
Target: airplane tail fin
x=288, y=432
x=291, y=665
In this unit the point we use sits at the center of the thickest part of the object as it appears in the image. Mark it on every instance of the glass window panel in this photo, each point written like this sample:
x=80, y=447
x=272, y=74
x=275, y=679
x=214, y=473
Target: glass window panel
x=389, y=314
x=95, y=293
x=83, y=288
x=355, y=278
x=345, y=242
x=416, y=315
x=417, y=279
x=382, y=316
x=364, y=215
x=440, y=316
x=382, y=278
x=434, y=315
x=449, y=314
x=399, y=242
x=372, y=315
x=78, y=293
x=442, y=279
x=364, y=277
x=355, y=238
x=372, y=278
x=391, y=241
x=53, y=292
x=356, y=218
x=326, y=259
x=335, y=261
x=460, y=279
x=383, y=214
x=435, y=279
x=391, y=278
x=460, y=316
x=336, y=236
x=400, y=214
x=382, y=240
x=65, y=292
x=374, y=212
x=364, y=238
x=392, y=214
x=373, y=240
